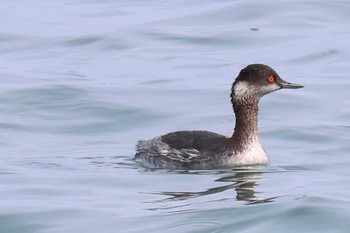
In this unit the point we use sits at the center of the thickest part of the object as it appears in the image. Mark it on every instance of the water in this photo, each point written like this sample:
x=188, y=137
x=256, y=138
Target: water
x=82, y=81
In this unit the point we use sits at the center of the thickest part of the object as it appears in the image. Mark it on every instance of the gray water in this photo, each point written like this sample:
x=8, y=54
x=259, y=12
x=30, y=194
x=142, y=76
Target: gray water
x=82, y=81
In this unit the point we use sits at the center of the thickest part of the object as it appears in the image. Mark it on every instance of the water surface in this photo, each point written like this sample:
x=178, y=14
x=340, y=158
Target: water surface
x=82, y=81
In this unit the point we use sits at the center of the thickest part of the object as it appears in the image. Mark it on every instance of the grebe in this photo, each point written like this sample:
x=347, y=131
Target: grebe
x=206, y=150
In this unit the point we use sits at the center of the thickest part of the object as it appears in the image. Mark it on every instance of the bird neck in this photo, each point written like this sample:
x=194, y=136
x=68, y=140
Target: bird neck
x=246, y=128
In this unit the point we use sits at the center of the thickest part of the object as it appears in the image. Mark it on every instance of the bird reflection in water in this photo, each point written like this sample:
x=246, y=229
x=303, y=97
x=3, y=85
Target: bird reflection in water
x=243, y=181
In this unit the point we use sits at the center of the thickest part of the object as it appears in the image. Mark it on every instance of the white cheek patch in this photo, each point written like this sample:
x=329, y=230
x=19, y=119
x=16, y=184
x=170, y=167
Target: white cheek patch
x=242, y=89
x=269, y=88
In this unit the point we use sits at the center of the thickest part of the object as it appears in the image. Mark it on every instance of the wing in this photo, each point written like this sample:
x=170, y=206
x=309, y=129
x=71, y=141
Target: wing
x=183, y=149
x=190, y=139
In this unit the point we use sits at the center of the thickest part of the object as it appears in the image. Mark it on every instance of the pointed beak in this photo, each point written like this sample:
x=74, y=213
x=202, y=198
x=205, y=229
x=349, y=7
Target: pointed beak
x=284, y=84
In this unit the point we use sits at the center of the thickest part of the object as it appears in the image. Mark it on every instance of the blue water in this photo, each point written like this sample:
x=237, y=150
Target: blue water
x=82, y=81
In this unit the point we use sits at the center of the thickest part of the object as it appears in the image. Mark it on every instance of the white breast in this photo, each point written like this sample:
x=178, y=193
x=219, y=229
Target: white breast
x=253, y=153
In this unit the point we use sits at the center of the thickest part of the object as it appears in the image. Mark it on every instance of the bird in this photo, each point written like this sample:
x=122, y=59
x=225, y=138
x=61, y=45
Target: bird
x=199, y=149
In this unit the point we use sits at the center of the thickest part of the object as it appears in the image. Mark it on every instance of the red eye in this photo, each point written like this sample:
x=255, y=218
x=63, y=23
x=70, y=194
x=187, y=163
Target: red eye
x=271, y=79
